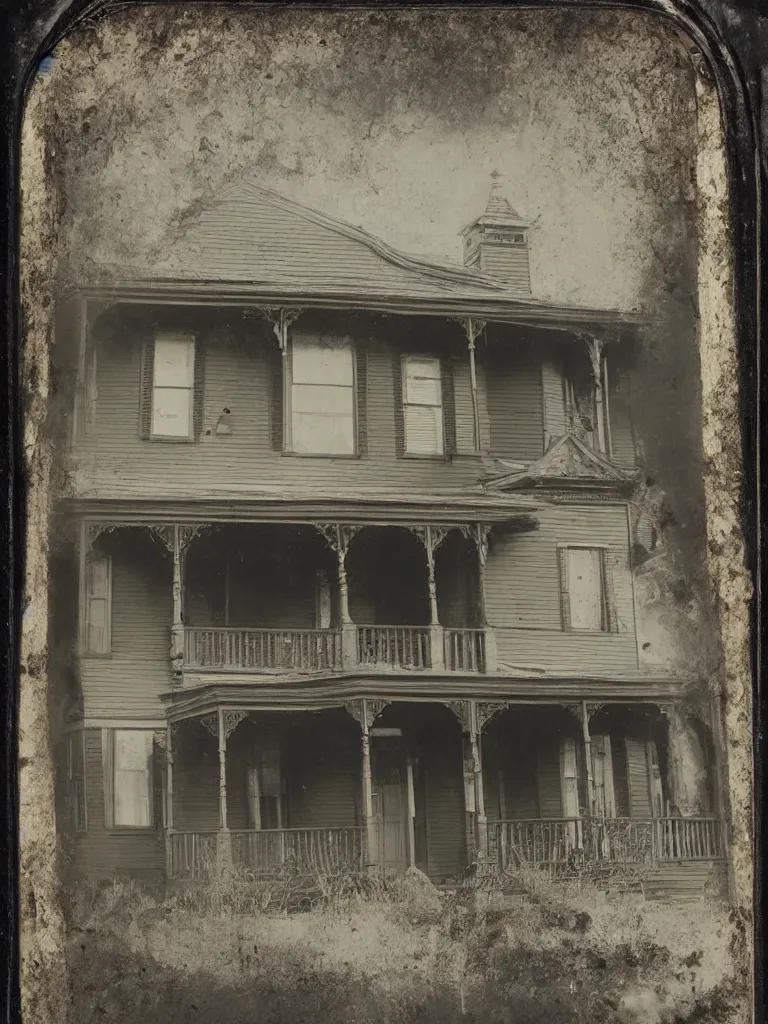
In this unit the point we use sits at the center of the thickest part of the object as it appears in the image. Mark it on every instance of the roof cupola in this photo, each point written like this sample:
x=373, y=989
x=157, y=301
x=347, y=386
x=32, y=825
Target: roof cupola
x=497, y=242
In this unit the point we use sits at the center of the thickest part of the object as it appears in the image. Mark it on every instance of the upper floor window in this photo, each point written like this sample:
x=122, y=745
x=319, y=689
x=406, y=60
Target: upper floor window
x=173, y=386
x=586, y=592
x=98, y=601
x=423, y=406
x=322, y=397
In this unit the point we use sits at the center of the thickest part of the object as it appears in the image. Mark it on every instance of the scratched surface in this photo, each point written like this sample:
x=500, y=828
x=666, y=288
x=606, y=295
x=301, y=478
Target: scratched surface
x=394, y=121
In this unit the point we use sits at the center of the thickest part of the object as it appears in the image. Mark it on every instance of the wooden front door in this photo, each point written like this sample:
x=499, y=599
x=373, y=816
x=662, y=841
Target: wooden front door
x=390, y=801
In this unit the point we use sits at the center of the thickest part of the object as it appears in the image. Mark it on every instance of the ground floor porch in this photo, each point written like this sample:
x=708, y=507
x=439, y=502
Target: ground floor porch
x=441, y=786
x=379, y=785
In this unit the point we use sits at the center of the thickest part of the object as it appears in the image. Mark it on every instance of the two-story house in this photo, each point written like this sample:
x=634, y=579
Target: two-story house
x=346, y=546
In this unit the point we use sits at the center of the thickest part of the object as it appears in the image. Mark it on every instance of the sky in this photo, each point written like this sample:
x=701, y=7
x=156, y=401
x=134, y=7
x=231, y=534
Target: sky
x=391, y=123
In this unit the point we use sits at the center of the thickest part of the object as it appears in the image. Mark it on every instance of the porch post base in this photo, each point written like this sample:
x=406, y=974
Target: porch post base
x=491, y=651
x=437, y=648
x=349, y=645
x=223, y=851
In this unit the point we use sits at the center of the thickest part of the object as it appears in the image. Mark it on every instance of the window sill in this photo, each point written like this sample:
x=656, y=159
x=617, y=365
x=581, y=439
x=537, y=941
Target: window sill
x=96, y=655
x=321, y=455
x=133, y=829
x=158, y=439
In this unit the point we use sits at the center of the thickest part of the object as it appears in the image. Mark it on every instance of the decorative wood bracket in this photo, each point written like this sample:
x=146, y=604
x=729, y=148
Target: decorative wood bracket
x=595, y=347
x=231, y=721
x=472, y=328
x=573, y=708
x=365, y=712
x=486, y=710
x=337, y=536
x=461, y=709
x=281, y=320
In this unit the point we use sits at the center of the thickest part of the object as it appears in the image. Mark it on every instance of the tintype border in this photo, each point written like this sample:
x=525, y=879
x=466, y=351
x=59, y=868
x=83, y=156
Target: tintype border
x=732, y=35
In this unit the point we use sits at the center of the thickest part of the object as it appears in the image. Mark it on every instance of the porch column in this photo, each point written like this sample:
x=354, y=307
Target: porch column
x=585, y=716
x=433, y=536
x=491, y=654
x=477, y=765
x=364, y=712
x=463, y=709
x=472, y=329
x=595, y=353
x=338, y=538
x=224, y=846
x=177, y=626
x=168, y=799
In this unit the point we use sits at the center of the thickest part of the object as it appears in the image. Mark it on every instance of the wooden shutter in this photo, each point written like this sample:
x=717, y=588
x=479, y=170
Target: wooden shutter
x=602, y=773
x=277, y=411
x=638, y=778
x=449, y=407
x=145, y=396
x=198, y=390
x=98, y=611
x=611, y=618
x=565, y=598
x=361, y=386
x=108, y=766
x=397, y=380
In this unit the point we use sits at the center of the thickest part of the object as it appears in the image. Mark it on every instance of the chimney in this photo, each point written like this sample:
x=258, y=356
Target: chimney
x=497, y=242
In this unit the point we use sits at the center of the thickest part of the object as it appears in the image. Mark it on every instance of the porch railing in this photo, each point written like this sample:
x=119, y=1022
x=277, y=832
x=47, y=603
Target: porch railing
x=405, y=647
x=192, y=854
x=541, y=841
x=305, y=650
x=323, y=851
x=464, y=650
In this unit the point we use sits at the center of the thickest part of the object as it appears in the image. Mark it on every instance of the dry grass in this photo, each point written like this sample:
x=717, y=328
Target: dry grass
x=398, y=951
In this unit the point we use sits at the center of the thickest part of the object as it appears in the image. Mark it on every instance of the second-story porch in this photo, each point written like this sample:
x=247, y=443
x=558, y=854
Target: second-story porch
x=246, y=599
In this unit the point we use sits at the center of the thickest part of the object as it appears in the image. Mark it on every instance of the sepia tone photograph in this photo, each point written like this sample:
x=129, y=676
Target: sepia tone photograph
x=387, y=677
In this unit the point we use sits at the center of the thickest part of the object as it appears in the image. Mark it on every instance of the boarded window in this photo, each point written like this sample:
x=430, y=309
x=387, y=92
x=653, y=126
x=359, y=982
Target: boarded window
x=173, y=381
x=128, y=777
x=423, y=406
x=583, y=588
x=322, y=397
x=98, y=604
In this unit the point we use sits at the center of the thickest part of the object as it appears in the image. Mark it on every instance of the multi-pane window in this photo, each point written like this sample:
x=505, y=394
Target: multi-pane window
x=422, y=406
x=322, y=397
x=128, y=777
x=173, y=374
x=583, y=589
x=98, y=602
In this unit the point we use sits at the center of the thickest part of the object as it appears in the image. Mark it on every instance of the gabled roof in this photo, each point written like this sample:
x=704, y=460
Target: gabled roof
x=253, y=234
x=568, y=462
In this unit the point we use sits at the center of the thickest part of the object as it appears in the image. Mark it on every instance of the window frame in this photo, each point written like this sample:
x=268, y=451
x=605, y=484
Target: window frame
x=424, y=357
x=87, y=650
x=110, y=782
x=190, y=339
x=289, y=447
x=606, y=595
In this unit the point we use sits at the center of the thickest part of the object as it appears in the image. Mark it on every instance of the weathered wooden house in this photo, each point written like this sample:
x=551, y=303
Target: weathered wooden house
x=347, y=548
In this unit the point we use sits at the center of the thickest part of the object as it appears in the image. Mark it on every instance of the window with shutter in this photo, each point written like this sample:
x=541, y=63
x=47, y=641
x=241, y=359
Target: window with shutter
x=586, y=592
x=129, y=762
x=173, y=386
x=98, y=604
x=322, y=397
x=422, y=406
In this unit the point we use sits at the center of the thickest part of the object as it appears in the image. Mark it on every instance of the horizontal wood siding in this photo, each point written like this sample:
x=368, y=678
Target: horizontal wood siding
x=116, y=461
x=508, y=263
x=196, y=779
x=553, y=397
x=623, y=451
x=129, y=681
x=445, y=815
x=322, y=773
x=522, y=590
x=107, y=853
x=515, y=406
